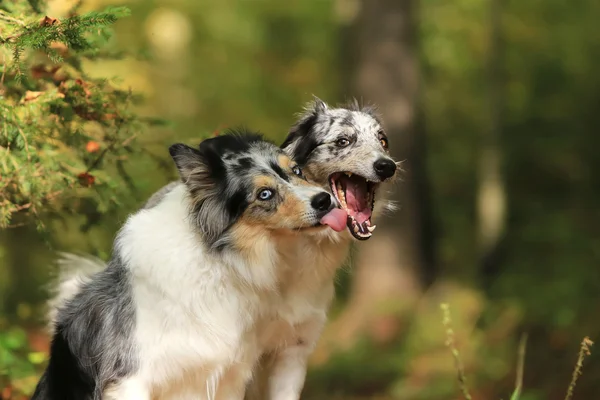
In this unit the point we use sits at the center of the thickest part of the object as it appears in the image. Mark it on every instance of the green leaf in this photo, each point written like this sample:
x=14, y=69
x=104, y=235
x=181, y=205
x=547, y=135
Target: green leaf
x=14, y=339
x=36, y=357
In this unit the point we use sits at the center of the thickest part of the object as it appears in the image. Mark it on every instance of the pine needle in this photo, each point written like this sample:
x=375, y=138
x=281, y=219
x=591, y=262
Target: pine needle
x=49, y=155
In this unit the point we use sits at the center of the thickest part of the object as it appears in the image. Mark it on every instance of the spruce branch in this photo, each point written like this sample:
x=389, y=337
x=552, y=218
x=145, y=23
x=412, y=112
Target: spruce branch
x=59, y=125
x=4, y=16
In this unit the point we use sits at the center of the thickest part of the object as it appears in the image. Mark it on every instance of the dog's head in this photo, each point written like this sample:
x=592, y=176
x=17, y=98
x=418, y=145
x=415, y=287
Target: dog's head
x=346, y=151
x=239, y=179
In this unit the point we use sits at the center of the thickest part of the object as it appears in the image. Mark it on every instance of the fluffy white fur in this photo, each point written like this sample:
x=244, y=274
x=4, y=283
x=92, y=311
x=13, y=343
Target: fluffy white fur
x=256, y=320
x=202, y=323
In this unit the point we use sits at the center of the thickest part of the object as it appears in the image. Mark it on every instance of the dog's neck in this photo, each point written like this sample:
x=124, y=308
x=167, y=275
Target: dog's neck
x=277, y=260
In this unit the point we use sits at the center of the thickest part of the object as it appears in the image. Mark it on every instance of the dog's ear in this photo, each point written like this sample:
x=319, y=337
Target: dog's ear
x=318, y=105
x=191, y=164
x=301, y=140
x=367, y=108
x=202, y=170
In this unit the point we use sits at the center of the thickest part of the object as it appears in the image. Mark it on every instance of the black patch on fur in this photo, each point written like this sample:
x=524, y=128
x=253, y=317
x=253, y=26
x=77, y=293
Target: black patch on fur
x=347, y=121
x=92, y=343
x=245, y=162
x=63, y=378
x=237, y=204
x=242, y=165
x=211, y=152
x=301, y=133
x=233, y=140
x=279, y=171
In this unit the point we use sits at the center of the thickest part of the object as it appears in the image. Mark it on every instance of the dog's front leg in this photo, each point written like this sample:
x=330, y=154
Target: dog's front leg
x=231, y=385
x=288, y=372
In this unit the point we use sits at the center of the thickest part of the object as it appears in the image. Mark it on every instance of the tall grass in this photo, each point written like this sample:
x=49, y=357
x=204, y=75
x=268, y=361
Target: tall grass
x=584, y=351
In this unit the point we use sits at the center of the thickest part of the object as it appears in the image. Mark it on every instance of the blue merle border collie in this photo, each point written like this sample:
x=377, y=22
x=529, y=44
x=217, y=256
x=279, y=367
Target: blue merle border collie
x=344, y=151
x=186, y=300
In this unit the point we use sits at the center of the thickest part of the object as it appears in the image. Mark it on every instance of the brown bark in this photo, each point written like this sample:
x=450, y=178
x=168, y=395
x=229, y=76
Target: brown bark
x=389, y=271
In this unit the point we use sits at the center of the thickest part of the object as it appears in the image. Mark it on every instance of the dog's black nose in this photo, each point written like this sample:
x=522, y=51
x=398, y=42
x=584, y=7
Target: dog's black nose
x=385, y=168
x=321, y=202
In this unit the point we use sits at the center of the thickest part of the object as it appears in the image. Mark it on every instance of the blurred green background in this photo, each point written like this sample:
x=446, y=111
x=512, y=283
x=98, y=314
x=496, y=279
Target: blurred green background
x=494, y=105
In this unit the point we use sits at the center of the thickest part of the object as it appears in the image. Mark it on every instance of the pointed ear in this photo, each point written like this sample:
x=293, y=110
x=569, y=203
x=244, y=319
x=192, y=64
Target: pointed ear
x=201, y=170
x=300, y=142
x=318, y=105
x=190, y=163
x=367, y=108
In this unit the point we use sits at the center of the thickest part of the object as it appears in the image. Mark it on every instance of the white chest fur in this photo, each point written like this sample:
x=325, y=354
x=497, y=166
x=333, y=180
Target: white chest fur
x=203, y=321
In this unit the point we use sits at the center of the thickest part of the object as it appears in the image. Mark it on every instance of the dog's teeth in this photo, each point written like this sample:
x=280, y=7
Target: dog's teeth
x=340, y=193
x=355, y=228
x=349, y=174
x=341, y=197
x=371, y=228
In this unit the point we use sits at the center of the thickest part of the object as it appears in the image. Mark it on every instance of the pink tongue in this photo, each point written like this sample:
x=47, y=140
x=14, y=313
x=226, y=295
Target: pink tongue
x=336, y=219
x=356, y=199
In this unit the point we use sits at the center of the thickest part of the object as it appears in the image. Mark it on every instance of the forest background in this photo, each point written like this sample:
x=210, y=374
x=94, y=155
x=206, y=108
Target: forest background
x=494, y=105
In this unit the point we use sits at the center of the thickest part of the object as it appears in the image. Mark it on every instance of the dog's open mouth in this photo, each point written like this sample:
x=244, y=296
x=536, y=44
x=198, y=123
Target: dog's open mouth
x=356, y=196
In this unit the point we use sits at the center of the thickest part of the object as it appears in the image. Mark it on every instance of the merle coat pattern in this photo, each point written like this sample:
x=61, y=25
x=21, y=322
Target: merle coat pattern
x=325, y=142
x=183, y=308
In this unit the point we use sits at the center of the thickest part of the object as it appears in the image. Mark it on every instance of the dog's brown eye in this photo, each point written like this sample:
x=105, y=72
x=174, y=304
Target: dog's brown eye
x=384, y=142
x=297, y=171
x=343, y=142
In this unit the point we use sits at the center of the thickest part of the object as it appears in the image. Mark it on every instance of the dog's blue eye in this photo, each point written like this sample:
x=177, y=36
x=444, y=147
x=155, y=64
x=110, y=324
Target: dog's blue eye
x=296, y=170
x=265, y=194
x=343, y=142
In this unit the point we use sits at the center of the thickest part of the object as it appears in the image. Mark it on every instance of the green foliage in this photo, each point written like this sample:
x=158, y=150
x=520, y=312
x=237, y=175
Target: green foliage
x=64, y=134
x=18, y=363
x=71, y=32
x=255, y=63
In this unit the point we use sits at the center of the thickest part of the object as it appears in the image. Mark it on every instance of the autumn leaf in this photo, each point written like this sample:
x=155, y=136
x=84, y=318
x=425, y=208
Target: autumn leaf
x=46, y=21
x=92, y=146
x=86, y=179
x=84, y=85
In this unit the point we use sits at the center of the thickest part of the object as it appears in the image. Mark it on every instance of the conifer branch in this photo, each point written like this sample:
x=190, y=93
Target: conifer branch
x=49, y=155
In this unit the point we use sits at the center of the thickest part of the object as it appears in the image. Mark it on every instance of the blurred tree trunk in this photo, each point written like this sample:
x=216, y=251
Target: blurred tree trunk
x=394, y=266
x=491, y=196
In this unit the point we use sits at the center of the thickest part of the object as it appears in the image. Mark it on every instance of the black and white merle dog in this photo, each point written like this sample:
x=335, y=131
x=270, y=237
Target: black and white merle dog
x=185, y=305
x=345, y=151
